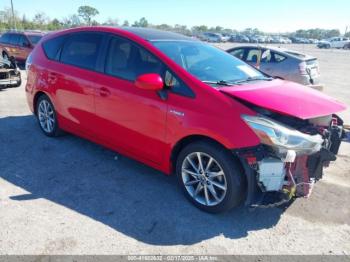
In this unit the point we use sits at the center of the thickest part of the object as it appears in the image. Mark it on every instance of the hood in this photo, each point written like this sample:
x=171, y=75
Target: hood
x=286, y=98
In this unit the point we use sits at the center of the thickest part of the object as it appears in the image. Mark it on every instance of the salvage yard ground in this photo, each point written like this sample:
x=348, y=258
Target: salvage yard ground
x=70, y=196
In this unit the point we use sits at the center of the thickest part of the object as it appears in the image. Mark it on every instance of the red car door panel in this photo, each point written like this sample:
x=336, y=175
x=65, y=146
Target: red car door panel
x=130, y=118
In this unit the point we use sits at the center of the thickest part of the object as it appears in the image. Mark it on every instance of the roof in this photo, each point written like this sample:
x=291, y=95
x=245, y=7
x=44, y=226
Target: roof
x=150, y=34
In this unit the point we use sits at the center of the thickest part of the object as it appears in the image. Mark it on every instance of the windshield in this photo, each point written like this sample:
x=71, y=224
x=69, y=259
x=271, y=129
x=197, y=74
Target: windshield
x=34, y=39
x=206, y=62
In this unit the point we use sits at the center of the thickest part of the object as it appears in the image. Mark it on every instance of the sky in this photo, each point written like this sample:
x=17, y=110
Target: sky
x=267, y=15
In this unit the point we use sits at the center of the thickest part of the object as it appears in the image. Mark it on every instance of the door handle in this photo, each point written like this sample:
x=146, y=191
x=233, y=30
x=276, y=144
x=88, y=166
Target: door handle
x=104, y=92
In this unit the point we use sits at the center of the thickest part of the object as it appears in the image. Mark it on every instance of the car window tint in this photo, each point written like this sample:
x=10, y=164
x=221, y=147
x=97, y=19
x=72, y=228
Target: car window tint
x=34, y=39
x=278, y=58
x=239, y=53
x=52, y=47
x=5, y=38
x=253, y=55
x=14, y=39
x=128, y=61
x=23, y=41
x=176, y=85
x=81, y=49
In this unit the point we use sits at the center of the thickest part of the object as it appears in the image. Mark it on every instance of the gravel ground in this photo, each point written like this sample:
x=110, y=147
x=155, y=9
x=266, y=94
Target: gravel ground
x=70, y=196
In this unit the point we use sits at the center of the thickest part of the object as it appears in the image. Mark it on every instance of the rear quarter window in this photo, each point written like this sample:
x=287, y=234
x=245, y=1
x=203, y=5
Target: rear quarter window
x=52, y=47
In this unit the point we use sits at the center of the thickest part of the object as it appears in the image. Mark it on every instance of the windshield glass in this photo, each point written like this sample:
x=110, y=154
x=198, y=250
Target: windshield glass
x=34, y=39
x=206, y=62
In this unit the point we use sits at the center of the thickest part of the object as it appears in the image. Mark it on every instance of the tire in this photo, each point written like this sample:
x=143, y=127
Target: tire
x=224, y=175
x=46, y=116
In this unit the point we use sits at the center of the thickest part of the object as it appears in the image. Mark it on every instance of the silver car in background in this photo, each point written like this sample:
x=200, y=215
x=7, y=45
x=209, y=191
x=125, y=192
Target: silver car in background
x=282, y=63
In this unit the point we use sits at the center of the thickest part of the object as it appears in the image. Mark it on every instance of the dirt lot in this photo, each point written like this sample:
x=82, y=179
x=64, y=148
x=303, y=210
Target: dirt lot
x=69, y=196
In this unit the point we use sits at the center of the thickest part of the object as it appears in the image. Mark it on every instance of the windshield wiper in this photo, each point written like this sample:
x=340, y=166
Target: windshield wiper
x=219, y=83
x=249, y=79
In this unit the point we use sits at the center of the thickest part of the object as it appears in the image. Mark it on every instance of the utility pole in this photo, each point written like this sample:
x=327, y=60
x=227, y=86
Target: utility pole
x=13, y=16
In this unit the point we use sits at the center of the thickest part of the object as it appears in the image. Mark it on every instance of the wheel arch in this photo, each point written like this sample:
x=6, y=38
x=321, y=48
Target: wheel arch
x=183, y=142
x=35, y=99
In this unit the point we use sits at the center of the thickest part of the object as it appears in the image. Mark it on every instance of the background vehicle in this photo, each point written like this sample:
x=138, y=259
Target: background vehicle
x=153, y=96
x=19, y=44
x=10, y=76
x=211, y=37
x=347, y=46
x=239, y=38
x=281, y=63
x=334, y=42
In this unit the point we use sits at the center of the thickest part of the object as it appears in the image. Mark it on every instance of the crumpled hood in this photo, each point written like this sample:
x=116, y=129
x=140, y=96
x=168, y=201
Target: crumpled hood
x=287, y=98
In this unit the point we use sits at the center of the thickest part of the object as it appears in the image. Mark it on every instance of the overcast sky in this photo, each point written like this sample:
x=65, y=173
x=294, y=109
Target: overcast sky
x=267, y=15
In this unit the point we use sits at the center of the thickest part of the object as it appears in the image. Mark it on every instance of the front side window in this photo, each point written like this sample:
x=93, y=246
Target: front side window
x=82, y=49
x=206, y=62
x=128, y=61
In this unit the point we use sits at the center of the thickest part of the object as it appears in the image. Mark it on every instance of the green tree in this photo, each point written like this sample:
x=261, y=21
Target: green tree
x=87, y=13
x=141, y=23
x=126, y=23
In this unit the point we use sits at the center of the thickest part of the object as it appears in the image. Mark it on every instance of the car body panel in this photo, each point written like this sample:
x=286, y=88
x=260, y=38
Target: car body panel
x=287, y=98
x=148, y=127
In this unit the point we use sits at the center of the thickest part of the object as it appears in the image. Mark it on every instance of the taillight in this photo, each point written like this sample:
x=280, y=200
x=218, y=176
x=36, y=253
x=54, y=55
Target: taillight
x=302, y=68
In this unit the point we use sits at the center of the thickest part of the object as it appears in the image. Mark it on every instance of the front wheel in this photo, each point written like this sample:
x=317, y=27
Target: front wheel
x=210, y=177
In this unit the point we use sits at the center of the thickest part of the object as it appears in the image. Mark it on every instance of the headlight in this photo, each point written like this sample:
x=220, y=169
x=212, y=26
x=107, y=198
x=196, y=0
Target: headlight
x=282, y=137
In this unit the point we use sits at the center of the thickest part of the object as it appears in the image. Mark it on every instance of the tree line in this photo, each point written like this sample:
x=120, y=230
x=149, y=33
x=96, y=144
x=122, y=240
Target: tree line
x=85, y=15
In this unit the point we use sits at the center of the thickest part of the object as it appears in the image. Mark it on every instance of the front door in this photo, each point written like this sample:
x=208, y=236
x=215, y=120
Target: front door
x=128, y=117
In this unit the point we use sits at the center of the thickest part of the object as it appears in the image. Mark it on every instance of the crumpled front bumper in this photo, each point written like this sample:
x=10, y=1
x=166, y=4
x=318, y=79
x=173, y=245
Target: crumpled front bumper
x=300, y=175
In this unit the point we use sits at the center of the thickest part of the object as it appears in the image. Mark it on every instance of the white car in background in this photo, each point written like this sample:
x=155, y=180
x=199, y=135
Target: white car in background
x=334, y=42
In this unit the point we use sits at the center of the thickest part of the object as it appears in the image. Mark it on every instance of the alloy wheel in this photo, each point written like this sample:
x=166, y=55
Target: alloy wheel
x=204, y=179
x=46, y=116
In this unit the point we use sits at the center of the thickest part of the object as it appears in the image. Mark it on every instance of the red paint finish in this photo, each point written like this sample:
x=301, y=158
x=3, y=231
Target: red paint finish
x=287, y=98
x=134, y=120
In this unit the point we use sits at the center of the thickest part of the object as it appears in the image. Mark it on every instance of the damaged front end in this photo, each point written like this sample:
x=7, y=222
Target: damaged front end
x=291, y=157
x=10, y=76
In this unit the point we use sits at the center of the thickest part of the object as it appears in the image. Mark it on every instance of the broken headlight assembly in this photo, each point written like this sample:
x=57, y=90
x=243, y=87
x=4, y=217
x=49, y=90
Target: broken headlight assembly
x=283, y=138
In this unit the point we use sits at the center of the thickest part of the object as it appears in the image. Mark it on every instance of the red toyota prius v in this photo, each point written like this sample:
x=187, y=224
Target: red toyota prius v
x=230, y=133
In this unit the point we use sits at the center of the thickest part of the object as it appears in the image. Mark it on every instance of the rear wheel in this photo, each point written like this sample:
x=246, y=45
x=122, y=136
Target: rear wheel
x=46, y=116
x=210, y=177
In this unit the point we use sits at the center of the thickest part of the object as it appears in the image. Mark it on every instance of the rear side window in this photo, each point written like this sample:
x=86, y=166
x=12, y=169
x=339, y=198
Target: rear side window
x=52, y=47
x=82, y=49
x=5, y=38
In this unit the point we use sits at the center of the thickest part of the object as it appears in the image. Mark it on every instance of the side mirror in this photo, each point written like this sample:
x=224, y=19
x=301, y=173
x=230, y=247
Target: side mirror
x=149, y=82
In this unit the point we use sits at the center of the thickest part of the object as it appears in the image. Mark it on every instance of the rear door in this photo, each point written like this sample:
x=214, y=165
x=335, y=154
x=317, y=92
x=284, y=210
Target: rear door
x=128, y=117
x=74, y=77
